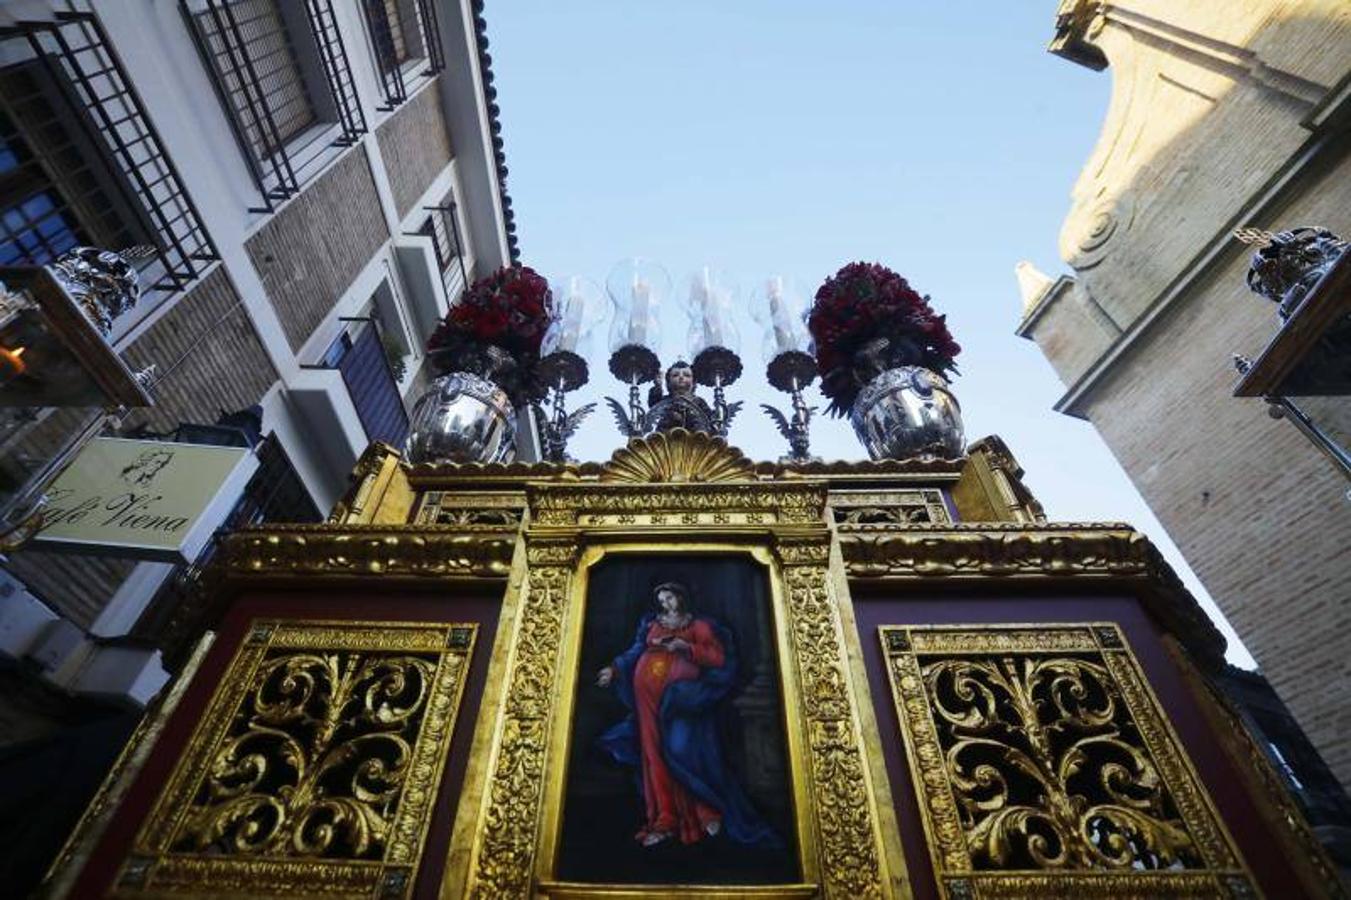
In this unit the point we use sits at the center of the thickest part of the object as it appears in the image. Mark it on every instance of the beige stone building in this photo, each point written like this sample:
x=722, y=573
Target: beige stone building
x=1223, y=114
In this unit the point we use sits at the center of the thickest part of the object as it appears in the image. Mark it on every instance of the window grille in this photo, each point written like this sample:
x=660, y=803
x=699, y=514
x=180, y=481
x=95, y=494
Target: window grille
x=80, y=162
x=442, y=228
x=260, y=54
x=405, y=37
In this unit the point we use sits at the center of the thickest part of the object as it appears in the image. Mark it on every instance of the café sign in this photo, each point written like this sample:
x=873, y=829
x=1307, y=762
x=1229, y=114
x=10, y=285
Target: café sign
x=156, y=500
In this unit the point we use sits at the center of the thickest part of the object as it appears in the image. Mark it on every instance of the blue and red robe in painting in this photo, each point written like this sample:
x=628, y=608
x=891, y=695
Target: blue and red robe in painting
x=671, y=735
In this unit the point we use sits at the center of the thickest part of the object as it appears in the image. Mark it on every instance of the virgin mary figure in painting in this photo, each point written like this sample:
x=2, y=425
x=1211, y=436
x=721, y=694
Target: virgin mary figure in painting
x=672, y=678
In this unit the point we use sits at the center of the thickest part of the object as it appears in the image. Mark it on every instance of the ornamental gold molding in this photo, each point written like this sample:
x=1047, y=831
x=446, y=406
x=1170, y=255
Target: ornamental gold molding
x=677, y=456
x=453, y=508
x=1045, y=766
x=742, y=503
x=314, y=767
x=986, y=553
x=476, y=551
x=845, y=816
x=511, y=836
x=503, y=858
x=885, y=509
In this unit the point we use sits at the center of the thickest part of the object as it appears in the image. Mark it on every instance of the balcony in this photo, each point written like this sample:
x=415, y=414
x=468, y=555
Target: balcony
x=433, y=262
x=81, y=163
x=352, y=395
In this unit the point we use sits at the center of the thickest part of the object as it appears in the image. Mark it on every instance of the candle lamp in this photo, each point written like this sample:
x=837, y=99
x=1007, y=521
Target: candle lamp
x=11, y=364
x=577, y=309
x=714, y=340
x=636, y=288
x=778, y=307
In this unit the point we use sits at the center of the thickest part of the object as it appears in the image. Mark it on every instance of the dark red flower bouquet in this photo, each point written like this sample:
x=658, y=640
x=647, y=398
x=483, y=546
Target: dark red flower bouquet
x=865, y=319
x=507, y=310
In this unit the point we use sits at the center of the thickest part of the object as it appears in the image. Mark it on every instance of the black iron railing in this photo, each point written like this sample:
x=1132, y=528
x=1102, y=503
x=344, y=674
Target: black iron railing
x=431, y=35
x=80, y=161
x=405, y=35
x=260, y=60
x=337, y=69
x=442, y=228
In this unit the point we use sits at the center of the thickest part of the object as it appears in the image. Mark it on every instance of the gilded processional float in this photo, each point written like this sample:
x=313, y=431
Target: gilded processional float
x=682, y=671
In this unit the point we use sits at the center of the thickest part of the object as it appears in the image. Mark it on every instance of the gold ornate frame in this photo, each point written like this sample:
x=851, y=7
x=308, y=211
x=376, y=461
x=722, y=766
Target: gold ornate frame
x=510, y=812
x=159, y=866
x=959, y=847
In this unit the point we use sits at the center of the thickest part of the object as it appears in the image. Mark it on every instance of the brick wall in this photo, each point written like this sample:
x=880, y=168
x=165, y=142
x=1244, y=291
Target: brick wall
x=1212, y=101
x=316, y=246
x=1259, y=514
x=415, y=146
x=210, y=358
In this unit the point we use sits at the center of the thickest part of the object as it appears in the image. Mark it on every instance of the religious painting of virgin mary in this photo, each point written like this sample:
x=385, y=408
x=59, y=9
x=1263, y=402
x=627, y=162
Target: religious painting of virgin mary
x=678, y=768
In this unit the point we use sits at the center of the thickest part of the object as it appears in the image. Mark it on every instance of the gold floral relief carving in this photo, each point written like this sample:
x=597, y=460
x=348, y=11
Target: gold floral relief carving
x=314, y=767
x=505, y=852
x=846, y=821
x=1044, y=766
x=619, y=504
x=888, y=508
x=448, y=508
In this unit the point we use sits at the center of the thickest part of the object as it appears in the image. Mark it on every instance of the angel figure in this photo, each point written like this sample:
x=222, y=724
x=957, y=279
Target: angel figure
x=678, y=407
x=555, y=432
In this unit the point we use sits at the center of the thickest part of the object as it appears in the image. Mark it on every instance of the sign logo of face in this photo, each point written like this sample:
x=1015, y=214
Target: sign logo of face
x=141, y=471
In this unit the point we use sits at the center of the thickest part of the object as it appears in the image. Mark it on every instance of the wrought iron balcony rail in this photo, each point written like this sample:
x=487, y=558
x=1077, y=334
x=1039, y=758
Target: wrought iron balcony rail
x=81, y=163
x=282, y=74
x=404, y=34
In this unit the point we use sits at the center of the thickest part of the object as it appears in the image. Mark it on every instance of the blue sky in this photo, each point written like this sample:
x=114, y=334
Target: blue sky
x=790, y=138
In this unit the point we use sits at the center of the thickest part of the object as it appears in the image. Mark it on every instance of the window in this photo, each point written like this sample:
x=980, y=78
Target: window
x=360, y=355
x=80, y=162
x=406, y=43
x=249, y=34
x=442, y=228
x=282, y=74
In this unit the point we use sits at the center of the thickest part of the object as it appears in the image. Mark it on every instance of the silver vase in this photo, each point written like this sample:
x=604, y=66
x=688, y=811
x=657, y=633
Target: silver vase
x=908, y=411
x=462, y=418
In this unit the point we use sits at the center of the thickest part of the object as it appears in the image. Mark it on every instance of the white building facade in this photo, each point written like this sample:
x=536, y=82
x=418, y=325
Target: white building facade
x=319, y=180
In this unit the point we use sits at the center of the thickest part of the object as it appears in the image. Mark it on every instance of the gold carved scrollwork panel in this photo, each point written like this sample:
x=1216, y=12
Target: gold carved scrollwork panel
x=1044, y=766
x=314, y=767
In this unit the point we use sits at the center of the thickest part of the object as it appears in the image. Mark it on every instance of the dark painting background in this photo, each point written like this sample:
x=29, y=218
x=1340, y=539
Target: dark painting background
x=602, y=806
